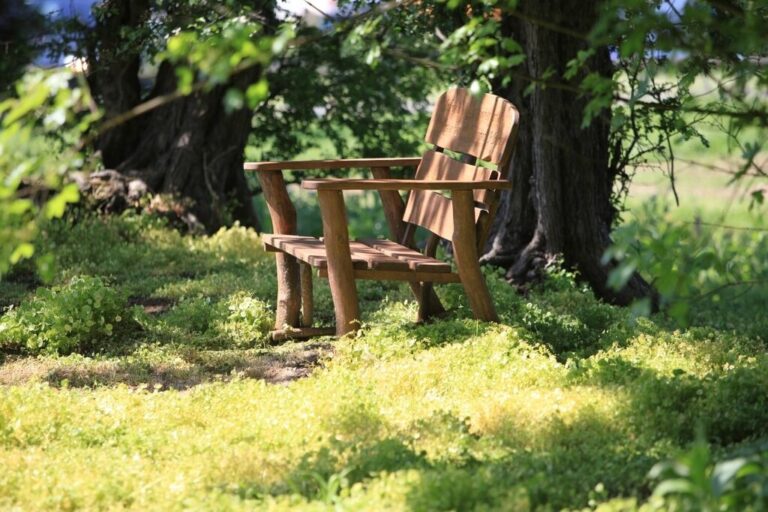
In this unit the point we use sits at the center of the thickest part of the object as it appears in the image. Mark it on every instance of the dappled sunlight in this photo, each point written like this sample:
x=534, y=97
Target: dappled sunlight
x=455, y=412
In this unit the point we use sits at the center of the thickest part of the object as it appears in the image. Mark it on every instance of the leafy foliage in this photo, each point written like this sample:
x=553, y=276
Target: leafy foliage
x=367, y=97
x=694, y=482
x=39, y=128
x=83, y=315
x=688, y=263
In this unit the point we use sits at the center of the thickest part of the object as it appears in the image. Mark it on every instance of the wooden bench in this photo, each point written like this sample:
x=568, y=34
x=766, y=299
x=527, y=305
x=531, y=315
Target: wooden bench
x=479, y=133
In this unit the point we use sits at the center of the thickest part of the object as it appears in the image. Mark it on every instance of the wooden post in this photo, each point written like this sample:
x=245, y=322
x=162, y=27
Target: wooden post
x=307, y=304
x=341, y=274
x=465, y=252
x=283, y=215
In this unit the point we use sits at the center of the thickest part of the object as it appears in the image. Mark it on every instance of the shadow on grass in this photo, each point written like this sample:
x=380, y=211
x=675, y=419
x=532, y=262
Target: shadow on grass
x=442, y=463
x=163, y=371
x=560, y=470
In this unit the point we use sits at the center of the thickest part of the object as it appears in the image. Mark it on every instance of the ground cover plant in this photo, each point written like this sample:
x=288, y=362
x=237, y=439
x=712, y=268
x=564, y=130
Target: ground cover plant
x=568, y=403
x=135, y=368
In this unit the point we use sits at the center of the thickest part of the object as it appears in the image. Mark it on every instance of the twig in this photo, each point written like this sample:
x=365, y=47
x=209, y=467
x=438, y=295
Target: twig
x=726, y=226
x=728, y=285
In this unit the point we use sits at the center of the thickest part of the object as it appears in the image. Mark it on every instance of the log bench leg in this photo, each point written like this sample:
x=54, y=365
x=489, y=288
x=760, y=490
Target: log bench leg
x=288, y=296
x=341, y=276
x=465, y=251
x=307, y=303
x=283, y=215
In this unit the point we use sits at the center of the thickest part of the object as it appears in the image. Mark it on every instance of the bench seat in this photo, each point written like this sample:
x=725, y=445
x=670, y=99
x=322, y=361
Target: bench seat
x=367, y=254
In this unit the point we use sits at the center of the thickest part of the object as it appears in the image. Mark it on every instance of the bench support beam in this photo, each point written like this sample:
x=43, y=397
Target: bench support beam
x=341, y=273
x=283, y=215
x=465, y=251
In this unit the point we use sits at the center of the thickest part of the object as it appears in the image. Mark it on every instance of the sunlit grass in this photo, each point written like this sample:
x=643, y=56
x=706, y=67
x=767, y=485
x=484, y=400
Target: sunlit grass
x=566, y=402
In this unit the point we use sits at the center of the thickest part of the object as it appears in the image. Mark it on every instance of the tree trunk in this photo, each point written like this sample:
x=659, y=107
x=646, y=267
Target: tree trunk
x=561, y=204
x=191, y=148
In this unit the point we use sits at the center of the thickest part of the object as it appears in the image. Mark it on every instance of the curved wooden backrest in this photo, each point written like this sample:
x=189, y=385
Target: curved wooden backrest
x=480, y=128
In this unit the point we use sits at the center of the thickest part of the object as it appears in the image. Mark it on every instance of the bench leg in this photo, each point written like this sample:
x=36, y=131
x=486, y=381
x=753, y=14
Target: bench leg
x=465, y=251
x=307, y=303
x=429, y=304
x=283, y=215
x=341, y=273
x=288, y=295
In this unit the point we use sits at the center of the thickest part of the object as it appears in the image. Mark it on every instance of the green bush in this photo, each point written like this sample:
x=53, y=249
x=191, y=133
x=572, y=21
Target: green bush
x=690, y=265
x=249, y=320
x=197, y=315
x=694, y=481
x=241, y=321
x=79, y=316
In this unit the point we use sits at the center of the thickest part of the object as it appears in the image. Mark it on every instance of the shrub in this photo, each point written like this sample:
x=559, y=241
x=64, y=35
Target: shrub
x=249, y=320
x=240, y=321
x=79, y=316
x=694, y=482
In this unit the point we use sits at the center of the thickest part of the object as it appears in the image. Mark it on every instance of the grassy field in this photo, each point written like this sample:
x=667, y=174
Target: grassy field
x=172, y=400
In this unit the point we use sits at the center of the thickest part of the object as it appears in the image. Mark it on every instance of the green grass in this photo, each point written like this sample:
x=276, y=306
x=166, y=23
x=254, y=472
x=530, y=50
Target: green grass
x=567, y=403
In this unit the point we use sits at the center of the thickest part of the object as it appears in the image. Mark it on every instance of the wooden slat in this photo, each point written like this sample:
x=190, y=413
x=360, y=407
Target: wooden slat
x=432, y=211
x=312, y=251
x=376, y=259
x=349, y=163
x=414, y=259
x=478, y=126
x=394, y=275
x=362, y=184
x=305, y=248
x=437, y=166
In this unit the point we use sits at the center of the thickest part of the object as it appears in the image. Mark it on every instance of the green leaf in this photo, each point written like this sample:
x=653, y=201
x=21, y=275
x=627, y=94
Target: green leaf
x=46, y=267
x=640, y=308
x=233, y=99
x=22, y=251
x=725, y=472
x=20, y=206
x=679, y=311
x=619, y=276
x=185, y=78
x=30, y=101
x=674, y=486
x=56, y=206
x=373, y=55
x=257, y=93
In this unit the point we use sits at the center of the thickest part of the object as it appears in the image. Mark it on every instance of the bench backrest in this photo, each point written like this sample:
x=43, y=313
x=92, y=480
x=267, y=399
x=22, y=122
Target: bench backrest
x=474, y=129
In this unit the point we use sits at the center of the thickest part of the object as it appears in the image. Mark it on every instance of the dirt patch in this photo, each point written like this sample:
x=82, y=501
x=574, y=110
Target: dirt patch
x=152, y=305
x=179, y=372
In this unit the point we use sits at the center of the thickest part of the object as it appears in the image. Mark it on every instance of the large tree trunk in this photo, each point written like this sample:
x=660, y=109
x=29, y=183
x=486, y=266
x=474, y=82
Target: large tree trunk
x=561, y=204
x=191, y=148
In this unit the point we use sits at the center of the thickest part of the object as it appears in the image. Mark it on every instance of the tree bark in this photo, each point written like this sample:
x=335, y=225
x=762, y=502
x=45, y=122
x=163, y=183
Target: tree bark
x=561, y=203
x=191, y=148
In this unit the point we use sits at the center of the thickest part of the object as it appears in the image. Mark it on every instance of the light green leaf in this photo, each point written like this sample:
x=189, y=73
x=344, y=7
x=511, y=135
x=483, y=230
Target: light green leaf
x=22, y=251
x=56, y=206
x=257, y=93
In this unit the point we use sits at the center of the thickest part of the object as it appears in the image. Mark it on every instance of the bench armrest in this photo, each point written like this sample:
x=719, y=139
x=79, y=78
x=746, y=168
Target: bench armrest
x=374, y=184
x=357, y=163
